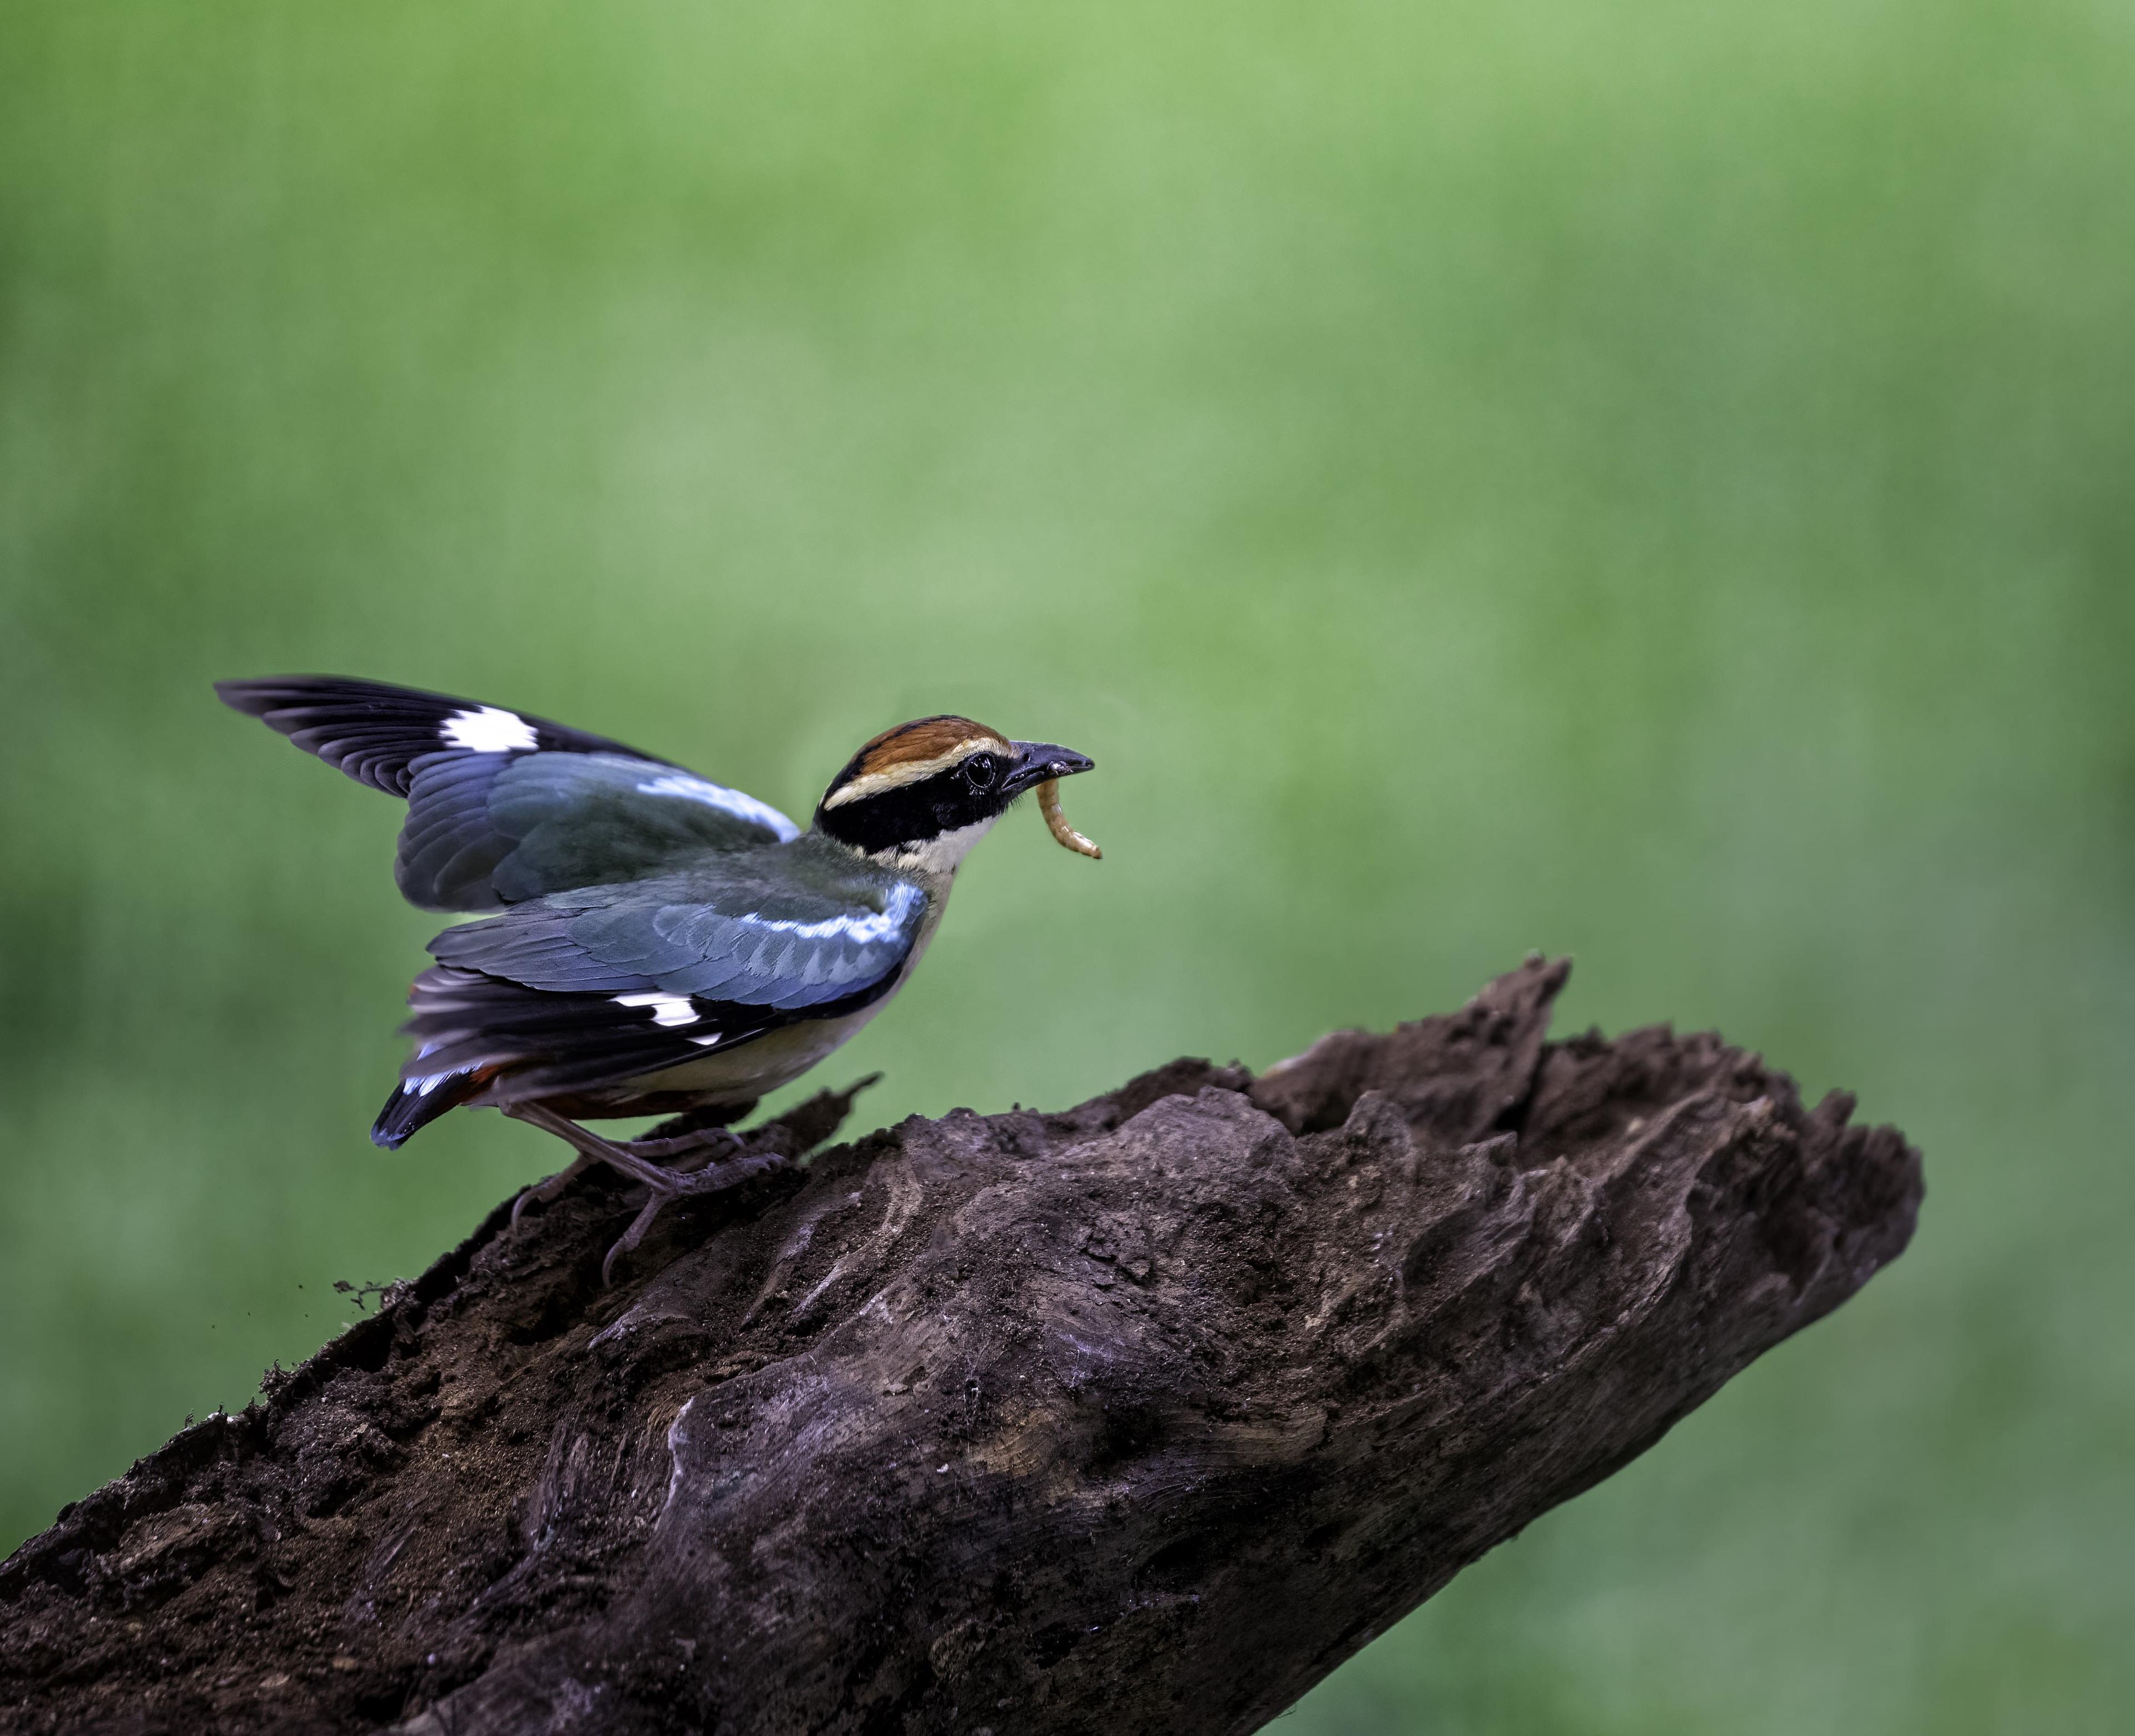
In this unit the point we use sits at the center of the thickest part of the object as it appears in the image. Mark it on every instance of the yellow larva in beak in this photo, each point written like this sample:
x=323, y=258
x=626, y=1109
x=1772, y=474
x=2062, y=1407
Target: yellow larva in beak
x=1056, y=822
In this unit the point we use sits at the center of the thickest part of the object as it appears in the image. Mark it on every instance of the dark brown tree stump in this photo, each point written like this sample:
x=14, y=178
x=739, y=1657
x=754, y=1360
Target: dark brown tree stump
x=1140, y=1417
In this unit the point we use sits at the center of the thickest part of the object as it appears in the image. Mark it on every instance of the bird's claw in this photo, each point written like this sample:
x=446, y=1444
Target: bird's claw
x=635, y=1159
x=680, y=1184
x=546, y=1192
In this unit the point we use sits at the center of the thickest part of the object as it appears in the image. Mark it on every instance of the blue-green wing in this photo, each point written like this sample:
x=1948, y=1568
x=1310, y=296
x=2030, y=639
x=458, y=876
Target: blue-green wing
x=757, y=934
x=504, y=806
x=484, y=831
x=584, y=989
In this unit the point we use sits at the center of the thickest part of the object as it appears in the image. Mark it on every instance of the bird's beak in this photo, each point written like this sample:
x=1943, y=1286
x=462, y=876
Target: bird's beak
x=1035, y=762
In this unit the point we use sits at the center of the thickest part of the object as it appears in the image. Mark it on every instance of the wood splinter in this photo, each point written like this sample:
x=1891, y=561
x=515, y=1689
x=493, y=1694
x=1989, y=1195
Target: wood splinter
x=1056, y=822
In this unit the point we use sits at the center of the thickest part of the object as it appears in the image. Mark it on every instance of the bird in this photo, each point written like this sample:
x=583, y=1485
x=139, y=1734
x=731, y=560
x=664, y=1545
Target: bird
x=647, y=941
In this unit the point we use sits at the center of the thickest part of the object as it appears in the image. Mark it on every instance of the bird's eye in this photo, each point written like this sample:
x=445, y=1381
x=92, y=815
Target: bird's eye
x=981, y=770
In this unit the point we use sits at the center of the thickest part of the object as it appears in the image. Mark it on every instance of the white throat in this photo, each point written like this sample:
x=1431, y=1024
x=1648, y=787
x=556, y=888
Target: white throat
x=938, y=858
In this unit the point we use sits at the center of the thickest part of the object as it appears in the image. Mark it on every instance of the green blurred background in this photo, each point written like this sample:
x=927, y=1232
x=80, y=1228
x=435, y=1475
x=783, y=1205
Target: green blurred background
x=1645, y=479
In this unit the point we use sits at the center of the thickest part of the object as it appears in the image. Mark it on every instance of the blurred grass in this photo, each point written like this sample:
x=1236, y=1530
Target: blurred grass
x=1647, y=480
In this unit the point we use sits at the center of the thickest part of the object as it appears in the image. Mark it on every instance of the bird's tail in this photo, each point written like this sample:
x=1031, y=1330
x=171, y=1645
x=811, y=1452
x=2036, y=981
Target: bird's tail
x=417, y=1102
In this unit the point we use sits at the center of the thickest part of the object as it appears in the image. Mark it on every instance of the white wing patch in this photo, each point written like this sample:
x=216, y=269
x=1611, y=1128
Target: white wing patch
x=681, y=784
x=667, y=1009
x=488, y=729
x=875, y=925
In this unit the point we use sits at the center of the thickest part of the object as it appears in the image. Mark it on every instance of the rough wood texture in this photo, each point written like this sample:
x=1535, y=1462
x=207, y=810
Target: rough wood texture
x=1140, y=1417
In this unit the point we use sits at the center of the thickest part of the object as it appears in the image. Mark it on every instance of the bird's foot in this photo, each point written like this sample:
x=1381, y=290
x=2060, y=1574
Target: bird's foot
x=634, y=1158
x=675, y=1184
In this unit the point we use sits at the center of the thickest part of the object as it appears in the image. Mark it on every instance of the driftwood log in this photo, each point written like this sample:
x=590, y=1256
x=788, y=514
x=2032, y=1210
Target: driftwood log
x=1140, y=1417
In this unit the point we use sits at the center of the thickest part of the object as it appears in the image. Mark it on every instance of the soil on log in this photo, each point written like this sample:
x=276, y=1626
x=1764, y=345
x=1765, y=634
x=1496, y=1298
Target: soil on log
x=1139, y=1417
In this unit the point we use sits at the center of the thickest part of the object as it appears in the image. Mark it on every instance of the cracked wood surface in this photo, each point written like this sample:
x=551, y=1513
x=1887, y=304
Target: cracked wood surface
x=1138, y=1417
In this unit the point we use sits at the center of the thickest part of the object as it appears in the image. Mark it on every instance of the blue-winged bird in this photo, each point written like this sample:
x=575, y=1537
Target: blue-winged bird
x=663, y=945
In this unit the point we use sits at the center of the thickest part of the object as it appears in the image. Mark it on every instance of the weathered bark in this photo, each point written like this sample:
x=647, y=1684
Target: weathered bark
x=1140, y=1417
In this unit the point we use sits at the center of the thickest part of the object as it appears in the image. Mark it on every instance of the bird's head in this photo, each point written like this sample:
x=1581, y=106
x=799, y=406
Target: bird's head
x=924, y=793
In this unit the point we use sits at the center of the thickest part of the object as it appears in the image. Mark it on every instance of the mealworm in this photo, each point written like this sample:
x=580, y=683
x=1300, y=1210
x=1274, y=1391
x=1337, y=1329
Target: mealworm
x=1056, y=822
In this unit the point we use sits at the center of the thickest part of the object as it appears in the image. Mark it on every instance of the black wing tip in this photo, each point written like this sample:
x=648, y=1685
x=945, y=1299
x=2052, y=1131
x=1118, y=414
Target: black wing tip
x=256, y=695
x=255, y=698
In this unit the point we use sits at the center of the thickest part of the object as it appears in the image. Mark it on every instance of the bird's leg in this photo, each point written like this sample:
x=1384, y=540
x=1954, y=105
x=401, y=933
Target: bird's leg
x=590, y=1146
x=694, y=1149
x=695, y=1136
x=661, y=1185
